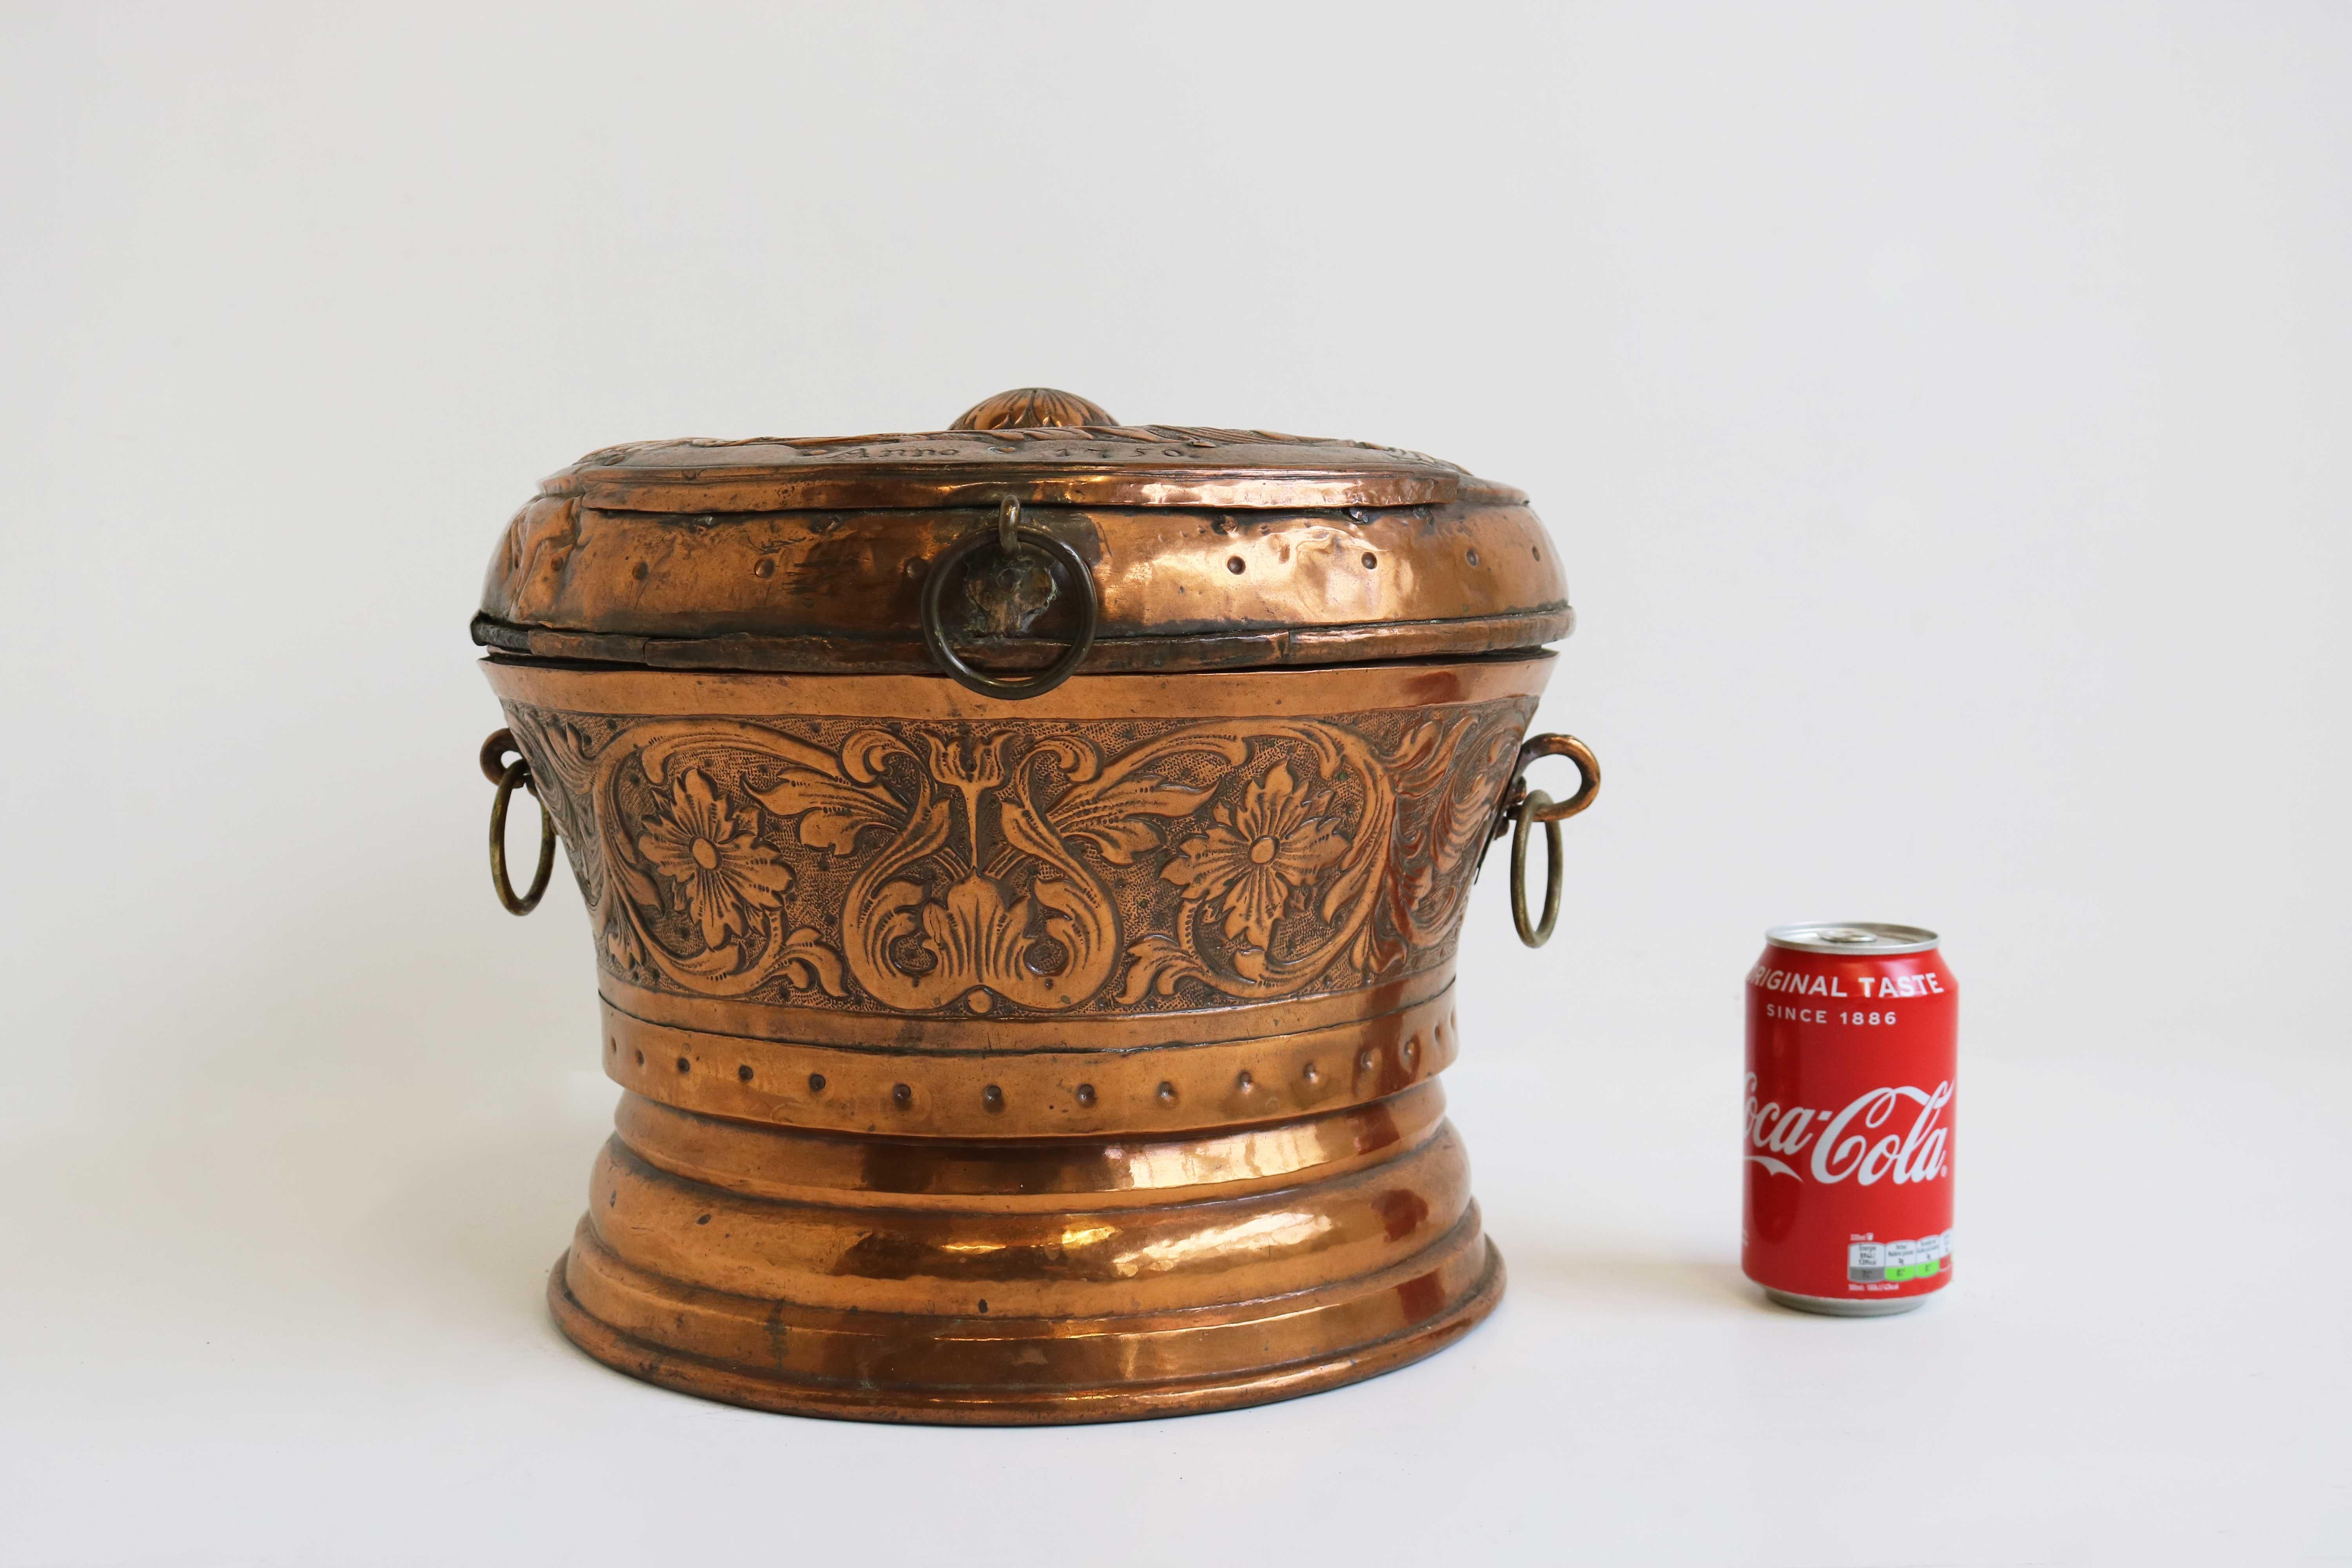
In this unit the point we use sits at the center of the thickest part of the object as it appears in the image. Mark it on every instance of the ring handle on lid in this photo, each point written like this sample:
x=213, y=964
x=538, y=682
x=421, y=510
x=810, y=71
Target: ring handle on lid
x=1009, y=537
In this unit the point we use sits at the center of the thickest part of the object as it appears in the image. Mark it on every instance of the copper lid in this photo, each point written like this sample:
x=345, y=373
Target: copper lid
x=1163, y=547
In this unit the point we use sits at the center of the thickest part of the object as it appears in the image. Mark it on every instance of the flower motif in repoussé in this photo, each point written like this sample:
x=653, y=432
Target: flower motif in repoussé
x=715, y=856
x=1257, y=854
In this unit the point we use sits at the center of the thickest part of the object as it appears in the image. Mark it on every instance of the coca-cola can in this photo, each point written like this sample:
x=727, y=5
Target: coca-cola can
x=1853, y=1051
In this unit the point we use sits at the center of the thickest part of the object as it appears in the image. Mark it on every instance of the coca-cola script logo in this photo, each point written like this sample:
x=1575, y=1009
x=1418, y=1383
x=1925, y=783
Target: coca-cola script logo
x=1843, y=1145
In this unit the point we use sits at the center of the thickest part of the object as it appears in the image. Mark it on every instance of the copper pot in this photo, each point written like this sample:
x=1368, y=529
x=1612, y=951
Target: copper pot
x=1025, y=863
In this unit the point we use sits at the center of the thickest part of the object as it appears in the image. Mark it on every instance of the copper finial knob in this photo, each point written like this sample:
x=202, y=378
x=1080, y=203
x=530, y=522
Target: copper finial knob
x=1032, y=408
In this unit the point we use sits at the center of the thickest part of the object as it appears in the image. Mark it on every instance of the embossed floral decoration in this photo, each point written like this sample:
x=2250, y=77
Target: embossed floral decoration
x=714, y=856
x=983, y=864
x=1257, y=854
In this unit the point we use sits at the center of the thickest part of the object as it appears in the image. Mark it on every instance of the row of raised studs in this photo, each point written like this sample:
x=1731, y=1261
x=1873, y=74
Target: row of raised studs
x=992, y=1097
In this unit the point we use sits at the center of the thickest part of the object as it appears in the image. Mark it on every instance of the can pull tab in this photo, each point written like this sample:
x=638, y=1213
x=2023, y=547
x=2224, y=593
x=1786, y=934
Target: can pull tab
x=1521, y=807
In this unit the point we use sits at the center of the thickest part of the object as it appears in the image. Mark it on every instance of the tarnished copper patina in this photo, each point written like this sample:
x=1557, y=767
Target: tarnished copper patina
x=1024, y=862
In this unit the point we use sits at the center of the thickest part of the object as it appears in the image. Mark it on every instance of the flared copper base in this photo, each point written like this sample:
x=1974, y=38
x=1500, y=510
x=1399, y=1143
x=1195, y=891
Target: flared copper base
x=1036, y=1282
x=1027, y=1407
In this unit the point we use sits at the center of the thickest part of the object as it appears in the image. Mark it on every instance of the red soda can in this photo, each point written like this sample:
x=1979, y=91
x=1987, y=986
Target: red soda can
x=1853, y=1052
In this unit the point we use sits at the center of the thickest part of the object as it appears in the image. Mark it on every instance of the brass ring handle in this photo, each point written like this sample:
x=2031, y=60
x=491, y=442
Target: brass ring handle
x=1521, y=805
x=517, y=772
x=1532, y=810
x=1008, y=535
x=1588, y=770
x=495, y=753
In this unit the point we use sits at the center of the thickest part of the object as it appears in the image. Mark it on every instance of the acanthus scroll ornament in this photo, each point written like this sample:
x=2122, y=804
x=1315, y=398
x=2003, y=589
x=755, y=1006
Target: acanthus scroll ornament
x=1047, y=868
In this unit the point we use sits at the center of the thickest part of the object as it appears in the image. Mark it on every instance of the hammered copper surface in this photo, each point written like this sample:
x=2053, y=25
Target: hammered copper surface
x=1011, y=1048
x=1207, y=549
x=1064, y=1060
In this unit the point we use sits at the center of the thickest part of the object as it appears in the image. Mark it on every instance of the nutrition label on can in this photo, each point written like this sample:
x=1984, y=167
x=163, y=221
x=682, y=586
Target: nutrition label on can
x=1890, y=1262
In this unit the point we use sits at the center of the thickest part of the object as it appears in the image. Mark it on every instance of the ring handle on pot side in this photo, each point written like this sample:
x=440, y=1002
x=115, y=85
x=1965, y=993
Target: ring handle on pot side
x=507, y=775
x=1522, y=807
x=1008, y=539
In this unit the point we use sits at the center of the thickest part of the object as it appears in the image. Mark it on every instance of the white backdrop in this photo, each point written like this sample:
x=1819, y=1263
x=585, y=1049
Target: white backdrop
x=1941, y=411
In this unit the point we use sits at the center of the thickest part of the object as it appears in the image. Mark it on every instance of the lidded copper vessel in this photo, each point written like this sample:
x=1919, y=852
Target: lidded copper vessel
x=1025, y=863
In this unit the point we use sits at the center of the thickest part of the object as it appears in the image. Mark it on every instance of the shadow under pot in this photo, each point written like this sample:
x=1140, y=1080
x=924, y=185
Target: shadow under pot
x=1025, y=863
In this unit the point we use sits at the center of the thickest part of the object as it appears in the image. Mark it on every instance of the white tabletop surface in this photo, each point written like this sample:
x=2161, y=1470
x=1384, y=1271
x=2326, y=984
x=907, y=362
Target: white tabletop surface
x=308, y=1328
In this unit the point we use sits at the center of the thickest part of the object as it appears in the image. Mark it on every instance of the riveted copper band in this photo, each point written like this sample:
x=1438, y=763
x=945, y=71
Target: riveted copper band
x=1038, y=1093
